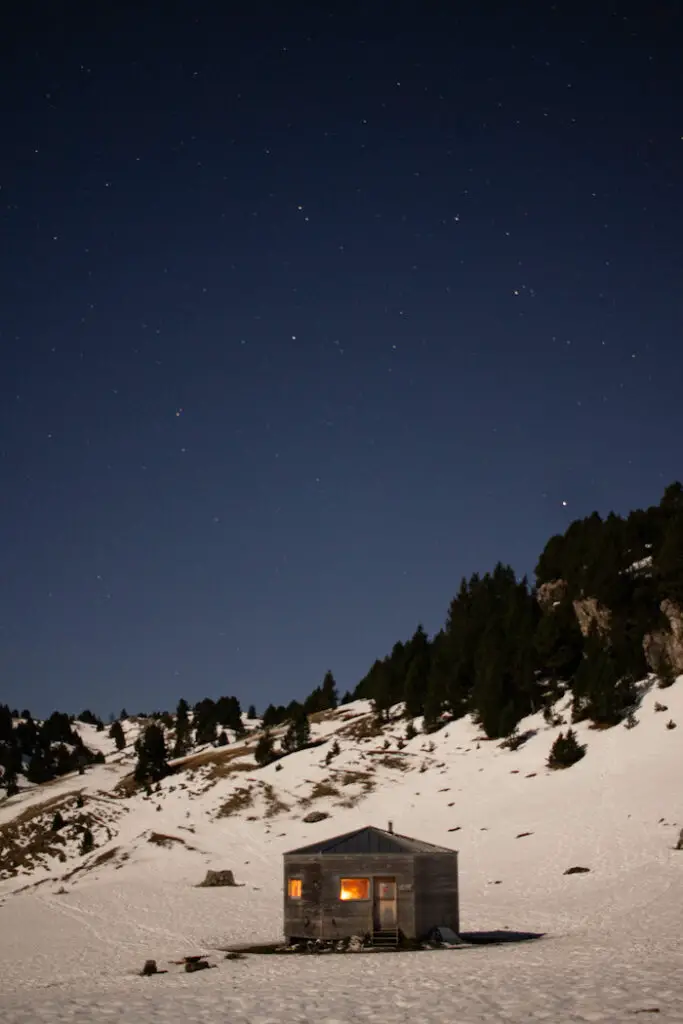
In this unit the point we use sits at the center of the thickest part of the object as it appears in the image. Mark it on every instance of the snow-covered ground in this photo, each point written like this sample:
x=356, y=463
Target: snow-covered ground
x=71, y=946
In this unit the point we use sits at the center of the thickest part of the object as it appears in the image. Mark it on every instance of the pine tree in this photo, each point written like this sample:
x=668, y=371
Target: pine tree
x=264, y=752
x=151, y=749
x=432, y=709
x=298, y=734
x=558, y=643
x=183, y=730
x=6, y=724
x=329, y=692
x=417, y=675
x=10, y=781
x=251, y=713
x=116, y=733
x=669, y=562
x=565, y=751
x=602, y=693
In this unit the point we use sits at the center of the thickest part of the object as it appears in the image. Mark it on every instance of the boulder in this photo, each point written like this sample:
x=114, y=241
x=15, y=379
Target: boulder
x=216, y=878
x=197, y=965
x=314, y=816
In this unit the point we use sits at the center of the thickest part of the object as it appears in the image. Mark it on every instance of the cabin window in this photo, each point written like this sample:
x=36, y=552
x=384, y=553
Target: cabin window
x=354, y=888
x=294, y=888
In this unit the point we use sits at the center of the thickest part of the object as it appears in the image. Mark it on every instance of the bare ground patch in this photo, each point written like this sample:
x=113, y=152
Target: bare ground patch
x=161, y=839
x=320, y=791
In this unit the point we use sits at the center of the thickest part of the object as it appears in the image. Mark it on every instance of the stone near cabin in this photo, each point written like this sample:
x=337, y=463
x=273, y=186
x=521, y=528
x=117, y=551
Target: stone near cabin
x=314, y=816
x=217, y=878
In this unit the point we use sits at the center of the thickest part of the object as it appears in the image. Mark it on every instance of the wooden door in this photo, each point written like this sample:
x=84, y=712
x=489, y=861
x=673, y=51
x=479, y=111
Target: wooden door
x=384, y=915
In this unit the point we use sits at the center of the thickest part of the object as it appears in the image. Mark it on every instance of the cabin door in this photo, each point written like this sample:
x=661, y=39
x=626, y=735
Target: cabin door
x=384, y=916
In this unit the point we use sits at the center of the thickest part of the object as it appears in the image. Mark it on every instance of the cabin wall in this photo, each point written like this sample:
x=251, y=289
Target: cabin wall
x=436, y=892
x=321, y=914
x=302, y=917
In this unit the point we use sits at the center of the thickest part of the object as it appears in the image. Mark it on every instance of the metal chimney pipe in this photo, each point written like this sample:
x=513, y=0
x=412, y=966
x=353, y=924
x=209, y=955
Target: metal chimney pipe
x=391, y=826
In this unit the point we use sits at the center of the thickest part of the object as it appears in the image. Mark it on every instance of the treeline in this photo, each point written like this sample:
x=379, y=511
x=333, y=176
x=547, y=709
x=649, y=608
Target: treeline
x=502, y=655
x=508, y=649
x=322, y=698
x=208, y=720
x=40, y=750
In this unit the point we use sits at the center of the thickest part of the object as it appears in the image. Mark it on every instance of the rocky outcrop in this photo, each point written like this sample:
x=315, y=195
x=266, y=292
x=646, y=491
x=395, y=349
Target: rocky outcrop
x=664, y=648
x=589, y=611
x=551, y=594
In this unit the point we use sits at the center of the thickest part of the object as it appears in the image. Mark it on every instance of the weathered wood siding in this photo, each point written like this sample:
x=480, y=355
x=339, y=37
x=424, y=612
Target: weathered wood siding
x=436, y=892
x=321, y=914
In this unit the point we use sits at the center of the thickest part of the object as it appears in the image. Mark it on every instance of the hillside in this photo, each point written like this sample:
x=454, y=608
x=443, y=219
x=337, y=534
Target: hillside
x=85, y=922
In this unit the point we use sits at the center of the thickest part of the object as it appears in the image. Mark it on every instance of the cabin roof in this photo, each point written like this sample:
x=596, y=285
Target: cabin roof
x=370, y=840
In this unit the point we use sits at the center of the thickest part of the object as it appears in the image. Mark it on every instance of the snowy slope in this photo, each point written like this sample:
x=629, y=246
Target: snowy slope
x=71, y=943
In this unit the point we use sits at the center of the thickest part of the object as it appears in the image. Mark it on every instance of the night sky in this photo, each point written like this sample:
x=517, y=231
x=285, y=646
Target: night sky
x=308, y=311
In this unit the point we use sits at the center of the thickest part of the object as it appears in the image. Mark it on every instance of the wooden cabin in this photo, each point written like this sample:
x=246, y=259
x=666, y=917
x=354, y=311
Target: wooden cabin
x=370, y=882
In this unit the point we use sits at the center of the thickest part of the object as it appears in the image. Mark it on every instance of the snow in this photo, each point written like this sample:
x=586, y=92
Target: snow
x=71, y=945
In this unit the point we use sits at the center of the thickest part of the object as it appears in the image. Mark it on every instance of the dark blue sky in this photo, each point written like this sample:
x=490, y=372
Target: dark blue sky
x=309, y=311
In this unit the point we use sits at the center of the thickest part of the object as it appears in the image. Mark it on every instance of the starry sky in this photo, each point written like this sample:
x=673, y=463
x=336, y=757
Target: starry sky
x=307, y=310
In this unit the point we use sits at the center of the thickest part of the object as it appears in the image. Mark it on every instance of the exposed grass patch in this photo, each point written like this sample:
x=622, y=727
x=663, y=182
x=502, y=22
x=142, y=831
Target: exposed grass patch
x=224, y=769
x=394, y=761
x=104, y=858
x=319, y=792
x=364, y=728
x=240, y=800
x=274, y=805
x=366, y=780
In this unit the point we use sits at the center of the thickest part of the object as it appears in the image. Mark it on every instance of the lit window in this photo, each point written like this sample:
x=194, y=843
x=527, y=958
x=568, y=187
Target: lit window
x=294, y=886
x=354, y=889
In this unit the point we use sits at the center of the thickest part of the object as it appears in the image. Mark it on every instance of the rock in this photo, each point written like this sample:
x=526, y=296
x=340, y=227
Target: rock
x=216, y=878
x=314, y=816
x=150, y=967
x=235, y=956
x=197, y=965
x=551, y=594
x=521, y=835
x=679, y=843
x=576, y=871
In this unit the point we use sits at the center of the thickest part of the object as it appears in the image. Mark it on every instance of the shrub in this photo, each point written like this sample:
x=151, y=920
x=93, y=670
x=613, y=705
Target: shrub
x=87, y=842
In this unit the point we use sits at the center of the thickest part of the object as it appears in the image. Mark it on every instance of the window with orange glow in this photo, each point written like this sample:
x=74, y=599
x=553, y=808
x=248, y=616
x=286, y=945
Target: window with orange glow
x=294, y=888
x=354, y=889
